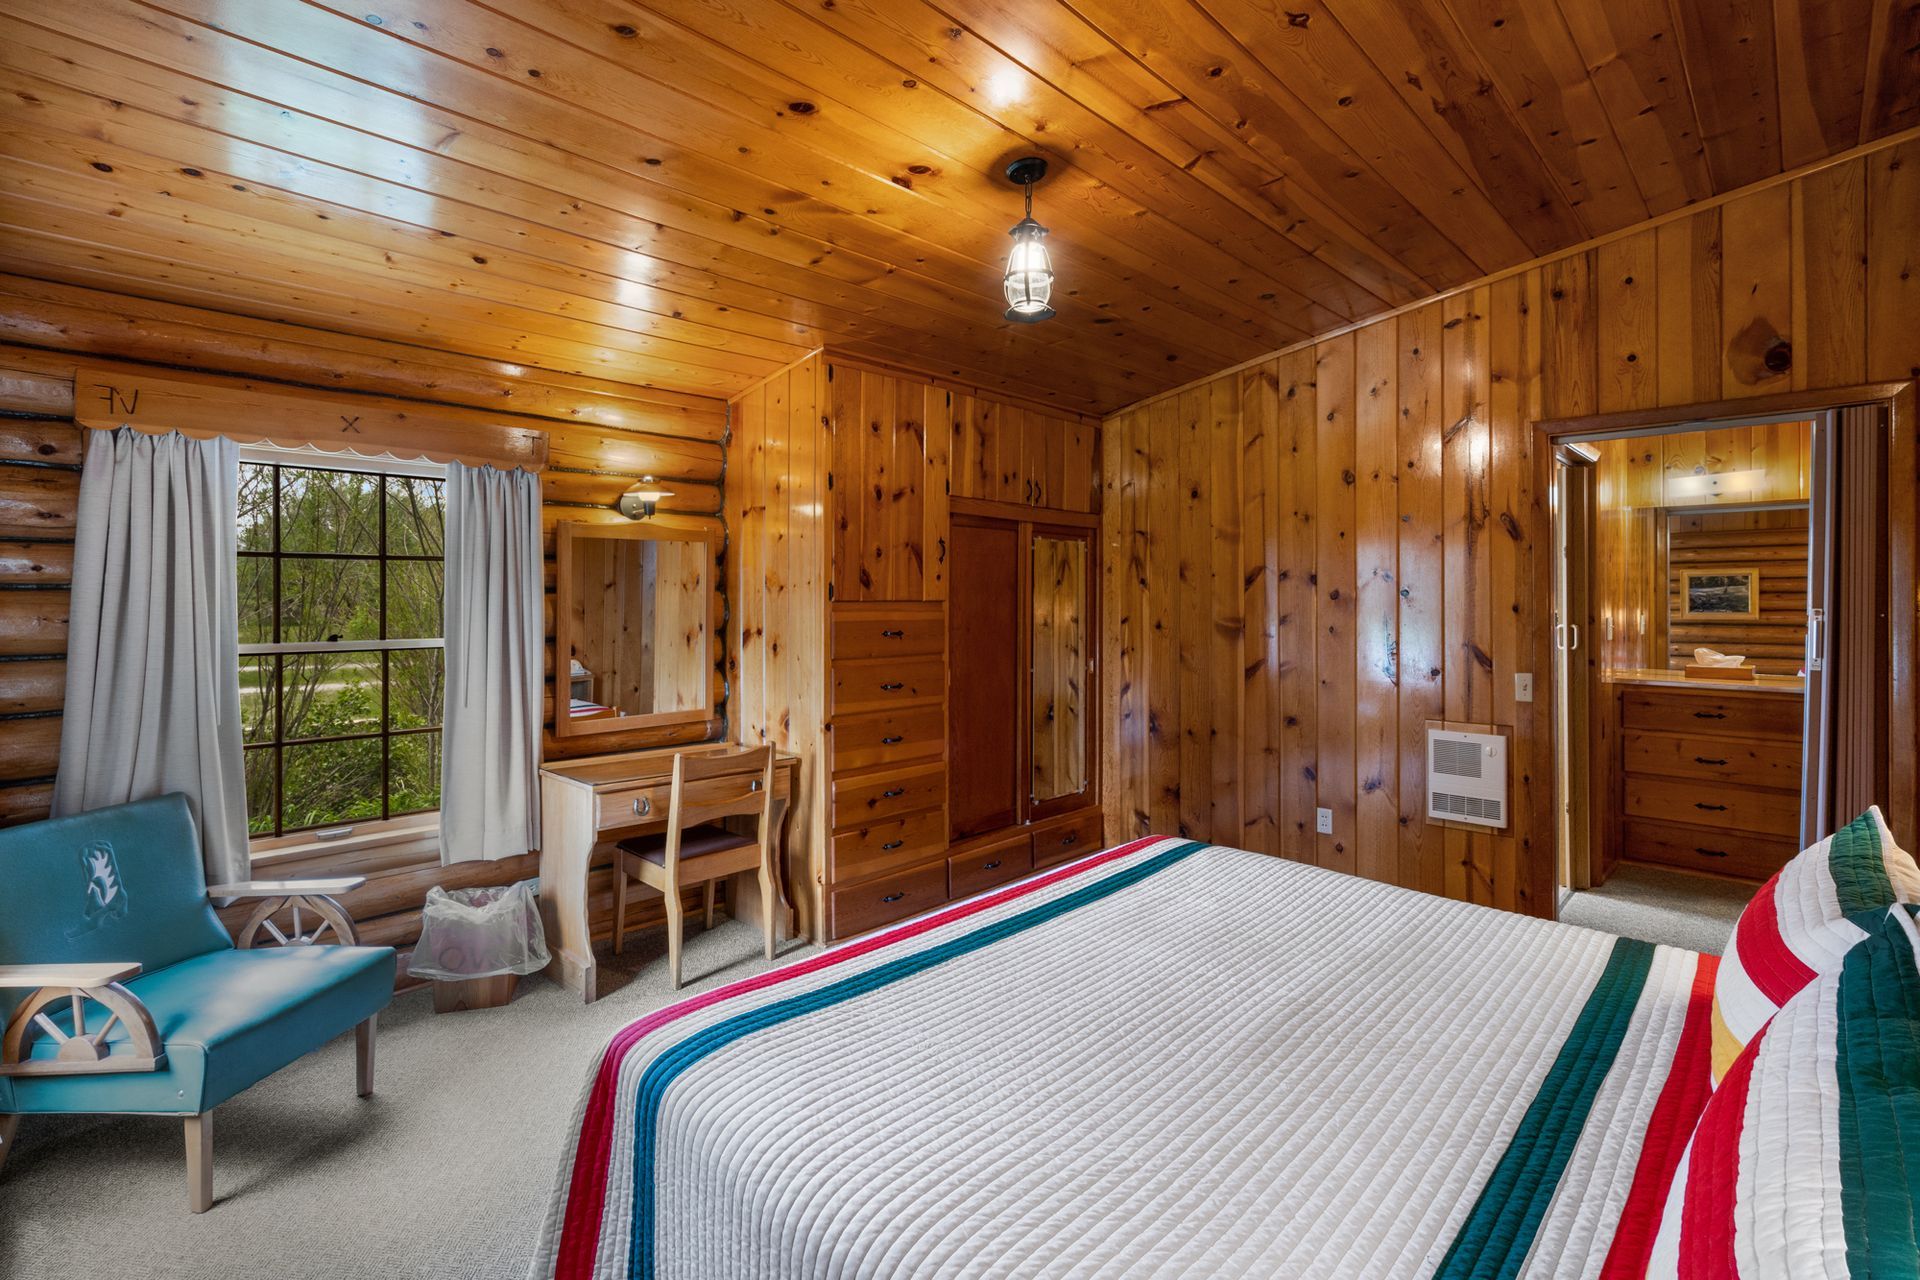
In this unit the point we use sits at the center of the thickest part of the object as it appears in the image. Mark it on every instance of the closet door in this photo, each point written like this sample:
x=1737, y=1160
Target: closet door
x=986, y=757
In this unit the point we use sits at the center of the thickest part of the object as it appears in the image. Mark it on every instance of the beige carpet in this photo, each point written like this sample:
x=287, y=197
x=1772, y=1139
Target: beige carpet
x=444, y=1172
x=1658, y=905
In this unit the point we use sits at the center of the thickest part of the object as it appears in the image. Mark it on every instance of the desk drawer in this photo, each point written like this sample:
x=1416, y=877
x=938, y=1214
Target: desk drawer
x=876, y=684
x=886, y=846
x=888, y=737
x=970, y=873
x=1754, y=762
x=1059, y=839
x=1767, y=715
x=874, y=797
x=888, y=631
x=632, y=806
x=861, y=907
x=1727, y=853
x=1714, y=805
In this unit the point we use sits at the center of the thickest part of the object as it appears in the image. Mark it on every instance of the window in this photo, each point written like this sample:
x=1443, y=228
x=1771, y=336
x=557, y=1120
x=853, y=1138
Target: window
x=341, y=664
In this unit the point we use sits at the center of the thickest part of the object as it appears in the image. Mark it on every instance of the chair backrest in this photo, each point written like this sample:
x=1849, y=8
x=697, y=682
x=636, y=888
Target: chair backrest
x=124, y=883
x=711, y=785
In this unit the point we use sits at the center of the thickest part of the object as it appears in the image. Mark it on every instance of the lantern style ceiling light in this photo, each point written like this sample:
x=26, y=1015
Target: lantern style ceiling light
x=1029, y=282
x=643, y=499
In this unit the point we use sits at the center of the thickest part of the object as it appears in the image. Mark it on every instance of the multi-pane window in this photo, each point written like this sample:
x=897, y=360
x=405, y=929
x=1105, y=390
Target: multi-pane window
x=341, y=670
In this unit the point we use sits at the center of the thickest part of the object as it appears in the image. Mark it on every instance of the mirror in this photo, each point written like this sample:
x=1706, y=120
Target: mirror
x=631, y=627
x=1059, y=638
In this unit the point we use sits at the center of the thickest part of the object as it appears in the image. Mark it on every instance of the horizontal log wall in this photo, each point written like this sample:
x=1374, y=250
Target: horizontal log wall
x=1313, y=556
x=601, y=438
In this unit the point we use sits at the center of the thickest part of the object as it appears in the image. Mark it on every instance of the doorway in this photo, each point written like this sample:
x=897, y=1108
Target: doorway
x=1699, y=570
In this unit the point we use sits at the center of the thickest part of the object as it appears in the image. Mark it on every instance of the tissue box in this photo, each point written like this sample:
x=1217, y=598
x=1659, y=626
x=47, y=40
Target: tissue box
x=1697, y=672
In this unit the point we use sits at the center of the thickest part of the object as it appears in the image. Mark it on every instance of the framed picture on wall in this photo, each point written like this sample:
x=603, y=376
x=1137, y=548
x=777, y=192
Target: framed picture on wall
x=1720, y=593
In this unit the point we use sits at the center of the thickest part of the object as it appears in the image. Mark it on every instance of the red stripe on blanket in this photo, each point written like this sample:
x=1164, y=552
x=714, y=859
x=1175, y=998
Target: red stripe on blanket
x=1764, y=956
x=1713, y=1176
x=587, y=1189
x=1682, y=1098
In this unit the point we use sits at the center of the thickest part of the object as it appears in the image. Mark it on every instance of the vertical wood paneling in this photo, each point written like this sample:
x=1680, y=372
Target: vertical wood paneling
x=1390, y=514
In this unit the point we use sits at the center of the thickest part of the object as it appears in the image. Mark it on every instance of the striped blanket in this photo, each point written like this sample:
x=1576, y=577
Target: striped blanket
x=1168, y=1059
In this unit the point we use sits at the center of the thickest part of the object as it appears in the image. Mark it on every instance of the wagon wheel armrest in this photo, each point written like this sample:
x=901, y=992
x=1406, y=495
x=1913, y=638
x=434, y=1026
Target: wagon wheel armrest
x=311, y=902
x=82, y=1051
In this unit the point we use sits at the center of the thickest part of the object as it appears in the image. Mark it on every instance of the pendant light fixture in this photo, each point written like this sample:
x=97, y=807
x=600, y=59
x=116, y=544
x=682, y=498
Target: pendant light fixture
x=1029, y=281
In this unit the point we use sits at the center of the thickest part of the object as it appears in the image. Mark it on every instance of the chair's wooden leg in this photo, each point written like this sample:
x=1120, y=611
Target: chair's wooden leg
x=676, y=926
x=619, y=907
x=363, y=1055
x=200, y=1162
x=709, y=905
x=9, y=1130
x=769, y=903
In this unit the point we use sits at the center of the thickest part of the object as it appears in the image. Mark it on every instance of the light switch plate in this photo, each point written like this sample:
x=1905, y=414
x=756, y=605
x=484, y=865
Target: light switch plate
x=1323, y=821
x=1523, y=686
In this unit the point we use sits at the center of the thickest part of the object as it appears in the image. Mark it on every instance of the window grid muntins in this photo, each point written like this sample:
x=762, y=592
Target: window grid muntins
x=323, y=662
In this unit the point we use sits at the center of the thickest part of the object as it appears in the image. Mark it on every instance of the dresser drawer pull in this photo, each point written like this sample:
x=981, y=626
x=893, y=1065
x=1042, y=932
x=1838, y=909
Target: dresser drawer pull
x=1709, y=715
x=893, y=686
x=1710, y=808
x=893, y=897
x=893, y=844
x=1705, y=760
x=988, y=866
x=891, y=739
x=1072, y=837
x=643, y=806
x=894, y=635
x=1711, y=853
x=894, y=794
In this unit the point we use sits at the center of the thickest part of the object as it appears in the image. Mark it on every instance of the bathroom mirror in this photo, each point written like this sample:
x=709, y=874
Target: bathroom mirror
x=1060, y=722
x=632, y=622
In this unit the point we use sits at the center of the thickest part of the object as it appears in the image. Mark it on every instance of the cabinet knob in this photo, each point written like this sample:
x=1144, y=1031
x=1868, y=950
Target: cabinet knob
x=1709, y=715
x=1711, y=853
x=892, y=686
x=1710, y=808
x=893, y=794
x=893, y=844
x=1705, y=760
x=1071, y=837
x=988, y=866
x=891, y=739
x=893, y=635
x=893, y=897
x=643, y=806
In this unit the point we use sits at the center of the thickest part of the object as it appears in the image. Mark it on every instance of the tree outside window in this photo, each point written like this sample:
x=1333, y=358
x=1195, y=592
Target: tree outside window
x=341, y=663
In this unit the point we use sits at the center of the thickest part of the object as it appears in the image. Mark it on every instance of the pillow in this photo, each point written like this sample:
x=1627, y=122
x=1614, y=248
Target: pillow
x=1797, y=927
x=1806, y=1160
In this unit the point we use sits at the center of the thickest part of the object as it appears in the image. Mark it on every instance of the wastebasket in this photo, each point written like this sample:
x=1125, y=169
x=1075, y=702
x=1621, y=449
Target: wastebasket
x=475, y=943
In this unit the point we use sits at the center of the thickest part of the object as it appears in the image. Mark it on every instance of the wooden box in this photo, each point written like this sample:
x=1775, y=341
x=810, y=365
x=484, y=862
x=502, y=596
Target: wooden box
x=474, y=993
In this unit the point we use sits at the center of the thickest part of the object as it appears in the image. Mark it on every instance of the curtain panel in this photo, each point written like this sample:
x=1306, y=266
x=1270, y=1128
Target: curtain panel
x=490, y=740
x=153, y=666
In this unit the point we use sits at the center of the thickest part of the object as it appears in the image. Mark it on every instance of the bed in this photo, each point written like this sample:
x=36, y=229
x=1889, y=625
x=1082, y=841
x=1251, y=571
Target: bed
x=1166, y=1059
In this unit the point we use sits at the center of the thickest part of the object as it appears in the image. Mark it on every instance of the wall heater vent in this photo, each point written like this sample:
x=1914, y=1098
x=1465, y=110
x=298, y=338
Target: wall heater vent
x=1467, y=777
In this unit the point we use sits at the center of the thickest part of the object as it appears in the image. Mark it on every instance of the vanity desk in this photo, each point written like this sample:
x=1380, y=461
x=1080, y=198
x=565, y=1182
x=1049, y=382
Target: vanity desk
x=590, y=803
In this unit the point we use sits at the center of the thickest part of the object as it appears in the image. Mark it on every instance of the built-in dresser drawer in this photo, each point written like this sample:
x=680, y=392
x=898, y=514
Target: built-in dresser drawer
x=1059, y=839
x=1723, y=852
x=875, y=684
x=1714, y=805
x=883, y=846
x=978, y=869
x=872, y=738
x=858, y=908
x=888, y=631
x=864, y=798
x=1755, y=762
x=1686, y=712
x=631, y=806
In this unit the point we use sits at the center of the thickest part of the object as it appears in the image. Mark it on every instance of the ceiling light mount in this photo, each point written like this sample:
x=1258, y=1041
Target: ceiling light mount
x=1029, y=279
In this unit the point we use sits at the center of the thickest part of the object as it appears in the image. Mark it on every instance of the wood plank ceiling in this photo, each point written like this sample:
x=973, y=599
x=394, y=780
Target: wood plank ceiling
x=689, y=193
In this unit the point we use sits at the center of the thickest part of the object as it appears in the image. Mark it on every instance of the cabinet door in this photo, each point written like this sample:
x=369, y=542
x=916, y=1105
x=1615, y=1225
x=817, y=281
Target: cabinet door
x=1059, y=696
x=985, y=744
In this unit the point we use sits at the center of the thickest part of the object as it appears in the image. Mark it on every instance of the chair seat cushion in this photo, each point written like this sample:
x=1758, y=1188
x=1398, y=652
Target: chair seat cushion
x=695, y=842
x=227, y=1019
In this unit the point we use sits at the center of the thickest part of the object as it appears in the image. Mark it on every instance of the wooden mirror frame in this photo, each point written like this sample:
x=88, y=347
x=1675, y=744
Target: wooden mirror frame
x=565, y=534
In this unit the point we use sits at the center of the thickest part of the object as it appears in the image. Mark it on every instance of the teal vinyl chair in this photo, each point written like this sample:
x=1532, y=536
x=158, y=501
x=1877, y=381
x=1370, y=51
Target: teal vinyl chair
x=121, y=993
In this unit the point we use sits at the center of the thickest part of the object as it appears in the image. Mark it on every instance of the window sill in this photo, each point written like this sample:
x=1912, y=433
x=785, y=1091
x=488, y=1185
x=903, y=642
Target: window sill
x=373, y=847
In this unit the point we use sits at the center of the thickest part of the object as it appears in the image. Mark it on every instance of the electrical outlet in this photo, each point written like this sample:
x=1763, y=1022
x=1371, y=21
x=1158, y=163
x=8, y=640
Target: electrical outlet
x=1523, y=686
x=1323, y=821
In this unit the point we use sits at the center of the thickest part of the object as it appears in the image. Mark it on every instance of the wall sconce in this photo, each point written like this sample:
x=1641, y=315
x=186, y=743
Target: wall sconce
x=641, y=501
x=1029, y=280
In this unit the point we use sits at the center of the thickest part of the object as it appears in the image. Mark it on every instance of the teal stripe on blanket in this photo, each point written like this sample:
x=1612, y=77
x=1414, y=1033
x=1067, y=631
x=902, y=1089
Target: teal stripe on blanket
x=1497, y=1236
x=671, y=1064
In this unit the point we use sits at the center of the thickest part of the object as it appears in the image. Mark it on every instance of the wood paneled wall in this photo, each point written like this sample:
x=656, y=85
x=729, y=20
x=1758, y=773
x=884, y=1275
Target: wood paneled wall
x=1771, y=543
x=1311, y=557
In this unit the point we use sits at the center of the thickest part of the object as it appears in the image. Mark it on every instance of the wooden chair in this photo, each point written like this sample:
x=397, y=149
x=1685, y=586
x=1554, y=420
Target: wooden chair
x=696, y=849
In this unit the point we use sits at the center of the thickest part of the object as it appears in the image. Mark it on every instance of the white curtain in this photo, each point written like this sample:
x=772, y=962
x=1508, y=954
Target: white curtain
x=490, y=741
x=153, y=665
